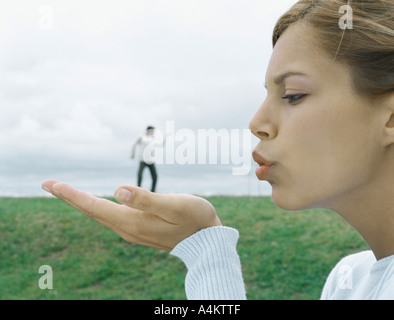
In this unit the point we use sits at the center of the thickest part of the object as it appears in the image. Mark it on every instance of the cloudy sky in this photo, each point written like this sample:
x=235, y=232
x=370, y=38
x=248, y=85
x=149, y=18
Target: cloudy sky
x=80, y=81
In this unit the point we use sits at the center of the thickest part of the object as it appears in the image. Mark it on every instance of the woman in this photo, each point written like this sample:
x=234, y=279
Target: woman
x=326, y=131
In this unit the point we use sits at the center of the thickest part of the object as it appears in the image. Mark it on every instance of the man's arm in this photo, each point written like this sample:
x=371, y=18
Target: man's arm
x=134, y=147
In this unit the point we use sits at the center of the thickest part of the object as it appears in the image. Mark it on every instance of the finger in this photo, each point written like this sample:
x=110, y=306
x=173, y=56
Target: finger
x=47, y=185
x=167, y=206
x=104, y=211
x=118, y=224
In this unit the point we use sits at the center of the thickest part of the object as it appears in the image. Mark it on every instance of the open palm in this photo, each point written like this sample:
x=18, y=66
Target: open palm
x=146, y=218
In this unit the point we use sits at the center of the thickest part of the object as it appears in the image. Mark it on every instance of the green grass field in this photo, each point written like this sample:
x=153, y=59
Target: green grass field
x=284, y=255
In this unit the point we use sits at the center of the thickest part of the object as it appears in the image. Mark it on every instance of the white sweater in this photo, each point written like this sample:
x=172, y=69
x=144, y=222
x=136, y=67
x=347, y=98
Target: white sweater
x=214, y=270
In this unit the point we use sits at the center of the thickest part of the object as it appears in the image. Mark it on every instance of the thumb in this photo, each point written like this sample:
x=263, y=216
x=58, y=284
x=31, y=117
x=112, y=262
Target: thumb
x=170, y=207
x=163, y=205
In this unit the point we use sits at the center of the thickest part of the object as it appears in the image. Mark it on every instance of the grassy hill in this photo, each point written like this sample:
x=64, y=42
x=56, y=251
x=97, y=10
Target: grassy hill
x=284, y=255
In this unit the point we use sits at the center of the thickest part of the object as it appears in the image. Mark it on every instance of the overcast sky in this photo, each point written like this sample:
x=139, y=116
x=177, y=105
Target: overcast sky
x=80, y=81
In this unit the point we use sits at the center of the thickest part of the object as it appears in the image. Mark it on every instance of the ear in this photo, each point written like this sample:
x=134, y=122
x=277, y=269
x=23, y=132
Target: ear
x=389, y=119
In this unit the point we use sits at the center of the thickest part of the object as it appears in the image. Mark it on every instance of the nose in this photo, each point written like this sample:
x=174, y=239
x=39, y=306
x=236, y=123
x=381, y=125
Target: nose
x=262, y=124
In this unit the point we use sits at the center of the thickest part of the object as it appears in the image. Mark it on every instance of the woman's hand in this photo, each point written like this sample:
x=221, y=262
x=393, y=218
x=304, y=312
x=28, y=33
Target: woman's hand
x=150, y=219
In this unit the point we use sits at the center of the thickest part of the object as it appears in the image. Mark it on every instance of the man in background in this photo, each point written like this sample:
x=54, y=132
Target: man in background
x=146, y=145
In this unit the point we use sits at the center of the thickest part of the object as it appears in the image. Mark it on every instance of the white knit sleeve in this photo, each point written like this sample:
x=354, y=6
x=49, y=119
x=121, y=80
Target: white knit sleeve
x=214, y=268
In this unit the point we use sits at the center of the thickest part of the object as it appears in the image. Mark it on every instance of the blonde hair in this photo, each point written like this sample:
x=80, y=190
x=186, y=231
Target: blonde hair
x=367, y=48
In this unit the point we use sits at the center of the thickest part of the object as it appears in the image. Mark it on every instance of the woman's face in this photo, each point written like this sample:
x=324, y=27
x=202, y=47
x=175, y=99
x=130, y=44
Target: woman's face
x=321, y=137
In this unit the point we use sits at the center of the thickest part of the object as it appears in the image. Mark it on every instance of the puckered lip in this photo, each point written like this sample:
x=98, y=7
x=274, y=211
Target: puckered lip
x=260, y=160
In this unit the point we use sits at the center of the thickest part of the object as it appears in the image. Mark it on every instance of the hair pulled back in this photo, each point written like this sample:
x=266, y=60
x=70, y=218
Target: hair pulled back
x=367, y=47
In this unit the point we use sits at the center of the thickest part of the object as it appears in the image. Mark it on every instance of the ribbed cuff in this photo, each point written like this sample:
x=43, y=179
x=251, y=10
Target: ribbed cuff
x=207, y=240
x=214, y=269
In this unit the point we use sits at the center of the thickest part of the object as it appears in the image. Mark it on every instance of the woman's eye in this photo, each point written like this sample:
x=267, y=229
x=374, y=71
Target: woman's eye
x=293, y=98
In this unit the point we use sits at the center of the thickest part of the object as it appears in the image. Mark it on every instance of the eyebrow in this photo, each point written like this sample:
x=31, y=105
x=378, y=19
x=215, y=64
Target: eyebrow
x=279, y=79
